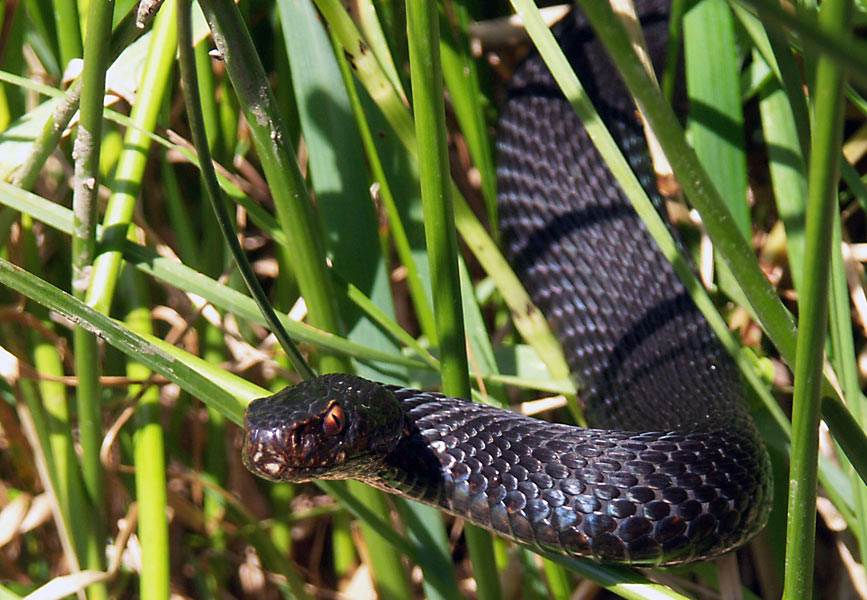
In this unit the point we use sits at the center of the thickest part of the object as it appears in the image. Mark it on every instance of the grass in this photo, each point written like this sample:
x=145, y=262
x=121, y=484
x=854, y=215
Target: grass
x=340, y=196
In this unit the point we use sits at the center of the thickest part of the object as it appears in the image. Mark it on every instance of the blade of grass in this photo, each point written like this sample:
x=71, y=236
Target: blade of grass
x=788, y=170
x=461, y=76
x=288, y=188
x=442, y=245
x=124, y=35
x=224, y=391
x=849, y=54
x=149, y=454
x=52, y=419
x=338, y=173
x=340, y=180
x=367, y=68
x=218, y=392
x=770, y=41
x=436, y=194
x=824, y=173
x=670, y=72
x=421, y=303
x=191, y=281
x=788, y=178
x=369, y=23
x=197, y=127
x=66, y=20
x=844, y=357
x=715, y=115
x=30, y=425
x=129, y=173
x=526, y=317
x=85, y=214
x=622, y=581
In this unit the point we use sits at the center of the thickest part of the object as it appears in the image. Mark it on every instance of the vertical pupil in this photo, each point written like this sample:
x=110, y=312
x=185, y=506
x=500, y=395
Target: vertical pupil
x=334, y=421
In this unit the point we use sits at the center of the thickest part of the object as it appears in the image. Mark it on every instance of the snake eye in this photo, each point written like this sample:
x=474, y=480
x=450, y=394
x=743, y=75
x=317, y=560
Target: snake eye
x=334, y=421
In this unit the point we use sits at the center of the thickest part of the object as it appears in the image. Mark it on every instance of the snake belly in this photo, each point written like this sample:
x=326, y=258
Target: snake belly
x=675, y=470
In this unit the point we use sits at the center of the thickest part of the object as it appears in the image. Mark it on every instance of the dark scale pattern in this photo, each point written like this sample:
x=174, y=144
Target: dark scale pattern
x=584, y=492
x=678, y=474
x=643, y=355
x=628, y=327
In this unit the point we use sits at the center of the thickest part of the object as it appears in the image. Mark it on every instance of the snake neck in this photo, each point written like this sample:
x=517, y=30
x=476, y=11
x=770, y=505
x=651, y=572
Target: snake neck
x=414, y=468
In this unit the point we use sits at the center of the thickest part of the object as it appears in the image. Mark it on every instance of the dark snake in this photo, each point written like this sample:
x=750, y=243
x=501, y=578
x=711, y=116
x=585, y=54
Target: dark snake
x=676, y=470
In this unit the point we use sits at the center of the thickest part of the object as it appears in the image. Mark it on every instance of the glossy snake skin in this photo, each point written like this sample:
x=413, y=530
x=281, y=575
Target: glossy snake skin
x=676, y=471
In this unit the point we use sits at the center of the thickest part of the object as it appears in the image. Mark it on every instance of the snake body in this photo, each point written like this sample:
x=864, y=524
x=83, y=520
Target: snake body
x=676, y=470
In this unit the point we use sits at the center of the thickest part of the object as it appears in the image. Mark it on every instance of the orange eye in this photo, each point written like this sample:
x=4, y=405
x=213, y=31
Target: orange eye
x=334, y=421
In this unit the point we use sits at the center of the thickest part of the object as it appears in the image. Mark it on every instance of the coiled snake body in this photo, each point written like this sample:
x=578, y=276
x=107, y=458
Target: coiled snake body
x=676, y=472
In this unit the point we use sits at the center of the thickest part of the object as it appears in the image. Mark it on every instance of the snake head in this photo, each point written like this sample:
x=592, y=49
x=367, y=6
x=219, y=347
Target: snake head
x=331, y=427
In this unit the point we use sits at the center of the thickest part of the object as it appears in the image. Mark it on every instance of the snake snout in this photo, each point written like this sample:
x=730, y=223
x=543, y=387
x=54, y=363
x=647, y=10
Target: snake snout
x=265, y=454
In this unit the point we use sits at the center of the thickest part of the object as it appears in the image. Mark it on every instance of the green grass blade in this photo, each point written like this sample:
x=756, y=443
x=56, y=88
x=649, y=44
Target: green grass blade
x=85, y=215
x=55, y=125
x=788, y=171
x=212, y=389
x=844, y=357
x=149, y=455
x=715, y=115
x=427, y=86
x=68, y=29
x=367, y=68
x=133, y=160
x=188, y=71
x=338, y=176
x=52, y=419
x=461, y=76
x=399, y=236
x=824, y=170
x=306, y=246
x=369, y=23
x=191, y=281
x=527, y=317
x=770, y=41
x=288, y=188
x=844, y=50
x=622, y=581
x=217, y=388
x=436, y=195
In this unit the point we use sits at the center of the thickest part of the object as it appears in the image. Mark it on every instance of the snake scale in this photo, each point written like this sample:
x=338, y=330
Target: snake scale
x=674, y=471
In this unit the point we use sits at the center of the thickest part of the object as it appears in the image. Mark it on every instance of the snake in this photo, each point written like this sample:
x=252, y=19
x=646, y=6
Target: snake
x=673, y=469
